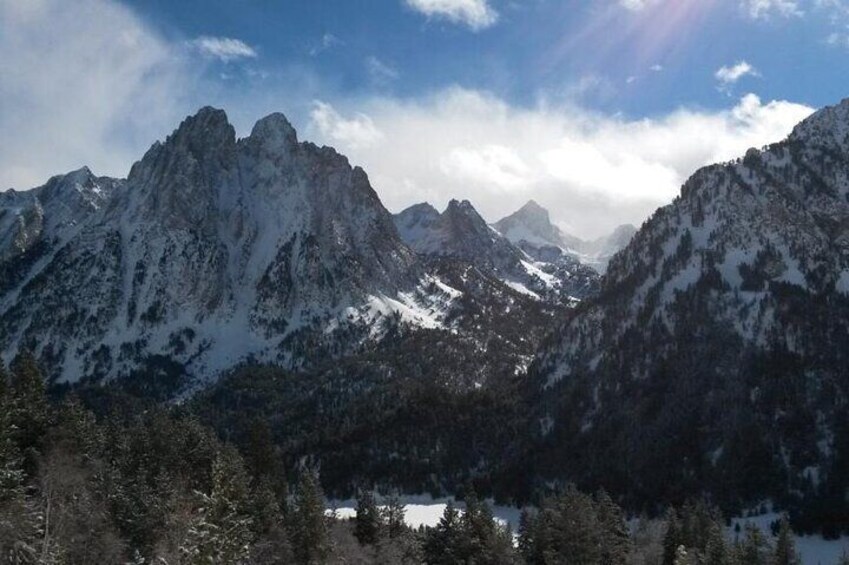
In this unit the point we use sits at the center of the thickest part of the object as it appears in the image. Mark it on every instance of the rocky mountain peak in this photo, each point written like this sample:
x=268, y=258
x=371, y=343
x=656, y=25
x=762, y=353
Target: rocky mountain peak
x=233, y=248
x=462, y=214
x=533, y=211
x=207, y=129
x=274, y=132
x=422, y=209
x=201, y=144
x=828, y=126
x=531, y=224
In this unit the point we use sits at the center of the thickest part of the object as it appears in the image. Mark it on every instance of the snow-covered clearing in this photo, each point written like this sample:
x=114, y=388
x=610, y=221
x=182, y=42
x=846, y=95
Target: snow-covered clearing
x=424, y=510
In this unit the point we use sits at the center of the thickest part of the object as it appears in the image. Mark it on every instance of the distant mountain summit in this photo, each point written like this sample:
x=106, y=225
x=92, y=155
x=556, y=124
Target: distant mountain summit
x=460, y=232
x=531, y=228
x=532, y=224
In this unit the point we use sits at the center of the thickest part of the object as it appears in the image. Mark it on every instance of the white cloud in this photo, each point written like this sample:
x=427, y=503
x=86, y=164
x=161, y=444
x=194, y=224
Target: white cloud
x=84, y=83
x=836, y=39
x=657, y=67
x=729, y=75
x=476, y=14
x=593, y=171
x=379, y=72
x=838, y=15
x=496, y=165
x=354, y=133
x=636, y=5
x=764, y=9
x=224, y=49
x=328, y=41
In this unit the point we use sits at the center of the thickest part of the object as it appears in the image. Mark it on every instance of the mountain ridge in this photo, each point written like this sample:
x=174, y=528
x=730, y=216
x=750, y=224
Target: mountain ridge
x=719, y=338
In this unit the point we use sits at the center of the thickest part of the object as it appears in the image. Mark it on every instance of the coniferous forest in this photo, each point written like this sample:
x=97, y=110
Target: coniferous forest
x=141, y=482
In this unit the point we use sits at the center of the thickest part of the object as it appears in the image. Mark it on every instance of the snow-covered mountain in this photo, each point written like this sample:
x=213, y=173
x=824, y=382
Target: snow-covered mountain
x=460, y=232
x=531, y=228
x=532, y=224
x=214, y=250
x=720, y=339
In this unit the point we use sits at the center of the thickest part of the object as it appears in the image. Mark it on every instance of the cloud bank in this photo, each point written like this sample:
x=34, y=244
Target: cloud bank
x=593, y=171
x=84, y=82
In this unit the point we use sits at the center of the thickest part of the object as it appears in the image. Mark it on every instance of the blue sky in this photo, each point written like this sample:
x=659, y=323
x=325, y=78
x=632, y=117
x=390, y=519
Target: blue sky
x=530, y=48
x=597, y=109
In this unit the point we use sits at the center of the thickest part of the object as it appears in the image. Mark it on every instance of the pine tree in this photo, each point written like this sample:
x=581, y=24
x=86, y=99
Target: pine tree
x=785, y=548
x=308, y=523
x=716, y=550
x=754, y=549
x=11, y=475
x=4, y=383
x=616, y=540
x=264, y=507
x=476, y=522
x=81, y=427
x=221, y=531
x=697, y=521
x=393, y=516
x=673, y=538
x=566, y=529
x=526, y=536
x=29, y=408
x=367, y=523
x=442, y=543
x=271, y=543
x=19, y=517
x=264, y=464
